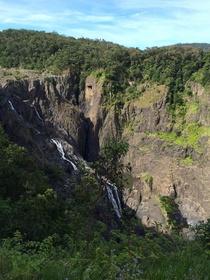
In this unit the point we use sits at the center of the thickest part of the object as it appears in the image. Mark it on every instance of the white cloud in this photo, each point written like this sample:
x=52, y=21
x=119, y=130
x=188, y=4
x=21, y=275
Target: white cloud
x=127, y=22
x=40, y=17
x=187, y=4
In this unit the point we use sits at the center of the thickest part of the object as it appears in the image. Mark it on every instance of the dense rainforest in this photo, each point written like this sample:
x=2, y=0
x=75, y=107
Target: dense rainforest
x=172, y=65
x=51, y=52
x=49, y=234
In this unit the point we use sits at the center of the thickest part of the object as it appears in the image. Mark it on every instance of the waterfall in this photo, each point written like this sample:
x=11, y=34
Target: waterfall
x=12, y=107
x=118, y=198
x=113, y=196
x=37, y=113
x=61, y=152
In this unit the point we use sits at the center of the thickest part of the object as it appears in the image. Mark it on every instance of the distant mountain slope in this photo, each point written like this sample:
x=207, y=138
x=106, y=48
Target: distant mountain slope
x=203, y=46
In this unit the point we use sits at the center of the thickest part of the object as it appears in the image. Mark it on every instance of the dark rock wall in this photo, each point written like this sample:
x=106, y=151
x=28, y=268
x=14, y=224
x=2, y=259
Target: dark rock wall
x=48, y=108
x=45, y=104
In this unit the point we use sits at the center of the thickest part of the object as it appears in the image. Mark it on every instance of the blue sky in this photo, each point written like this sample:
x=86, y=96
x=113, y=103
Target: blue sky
x=132, y=23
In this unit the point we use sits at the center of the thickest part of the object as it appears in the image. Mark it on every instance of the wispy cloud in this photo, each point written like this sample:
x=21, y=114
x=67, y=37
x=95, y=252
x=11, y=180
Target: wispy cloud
x=128, y=22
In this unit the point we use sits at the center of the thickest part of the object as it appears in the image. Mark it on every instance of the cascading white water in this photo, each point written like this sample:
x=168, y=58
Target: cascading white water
x=118, y=198
x=112, y=199
x=113, y=196
x=61, y=152
x=13, y=109
x=11, y=106
x=112, y=189
x=37, y=113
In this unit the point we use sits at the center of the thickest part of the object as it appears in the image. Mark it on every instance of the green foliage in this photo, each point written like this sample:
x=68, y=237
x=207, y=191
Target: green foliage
x=188, y=160
x=190, y=135
x=202, y=76
x=203, y=46
x=53, y=238
x=172, y=213
x=172, y=66
x=193, y=109
x=171, y=136
x=81, y=210
x=134, y=92
x=202, y=233
x=134, y=257
x=148, y=179
x=110, y=163
x=27, y=202
x=120, y=67
x=53, y=172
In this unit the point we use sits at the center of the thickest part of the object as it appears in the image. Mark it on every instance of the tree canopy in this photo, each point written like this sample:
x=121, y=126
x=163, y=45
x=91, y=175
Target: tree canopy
x=122, y=68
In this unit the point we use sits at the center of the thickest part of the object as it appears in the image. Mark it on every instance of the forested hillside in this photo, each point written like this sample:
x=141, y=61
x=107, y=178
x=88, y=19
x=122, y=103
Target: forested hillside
x=203, y=46
x=118, y=65
x=91, y=132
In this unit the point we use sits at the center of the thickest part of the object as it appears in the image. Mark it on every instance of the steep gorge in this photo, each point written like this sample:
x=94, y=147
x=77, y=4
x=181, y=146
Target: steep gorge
x=164, y=162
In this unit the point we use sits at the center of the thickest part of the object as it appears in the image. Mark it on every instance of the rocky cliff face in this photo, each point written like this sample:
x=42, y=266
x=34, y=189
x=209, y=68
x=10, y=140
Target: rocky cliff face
x=30, y=108
x=176, y=168
x=164, y=162
x=103, y=121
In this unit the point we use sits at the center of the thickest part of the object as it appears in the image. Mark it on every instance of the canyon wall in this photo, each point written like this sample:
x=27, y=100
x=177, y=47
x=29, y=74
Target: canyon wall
x=164, y=161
